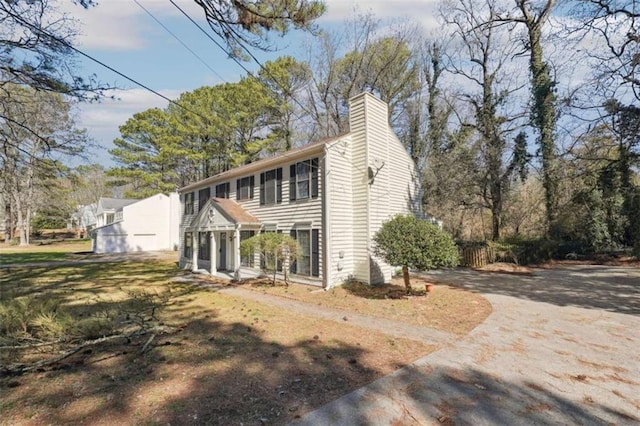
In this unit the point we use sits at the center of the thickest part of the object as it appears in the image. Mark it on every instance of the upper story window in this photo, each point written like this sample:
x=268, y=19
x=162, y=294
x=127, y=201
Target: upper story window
x=271, y=186
x=244, y=188
x=222, y=190
x=203, y=197
x=188, y=203
x=303, y=180
x=110, y=218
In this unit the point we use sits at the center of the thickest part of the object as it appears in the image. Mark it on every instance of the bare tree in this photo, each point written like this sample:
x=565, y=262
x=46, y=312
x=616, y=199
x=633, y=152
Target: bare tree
x=485, y=62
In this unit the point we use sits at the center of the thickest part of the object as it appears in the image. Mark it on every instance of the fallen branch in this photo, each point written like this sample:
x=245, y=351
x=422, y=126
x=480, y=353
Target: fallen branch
x=146, y=345
x=23, y=368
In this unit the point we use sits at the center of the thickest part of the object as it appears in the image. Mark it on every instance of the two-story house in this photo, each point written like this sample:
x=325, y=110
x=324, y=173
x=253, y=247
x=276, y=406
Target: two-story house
x=332, y=196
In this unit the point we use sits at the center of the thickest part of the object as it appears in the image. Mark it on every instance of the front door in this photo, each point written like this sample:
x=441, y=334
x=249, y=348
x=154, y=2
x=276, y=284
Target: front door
x=222, y=264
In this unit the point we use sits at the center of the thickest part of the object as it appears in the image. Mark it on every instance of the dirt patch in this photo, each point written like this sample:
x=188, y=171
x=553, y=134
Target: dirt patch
x=445, y=308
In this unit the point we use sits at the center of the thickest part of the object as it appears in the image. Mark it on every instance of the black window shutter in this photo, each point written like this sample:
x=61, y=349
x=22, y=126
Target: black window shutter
x=315, y=253
x=252, y=183
x=292, y=182
x=314, y=178
x=237, y=189
x=294, y=265
x=227, y=190
x=262, y=195
x=279, y=185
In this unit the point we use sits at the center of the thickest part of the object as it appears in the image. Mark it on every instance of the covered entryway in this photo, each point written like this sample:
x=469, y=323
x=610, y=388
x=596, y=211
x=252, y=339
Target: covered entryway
x=216, y=236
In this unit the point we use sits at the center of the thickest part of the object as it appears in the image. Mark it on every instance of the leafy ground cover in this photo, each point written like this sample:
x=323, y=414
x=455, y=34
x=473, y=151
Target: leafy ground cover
x=54, y=251
x=445, y=308
x=202, y=356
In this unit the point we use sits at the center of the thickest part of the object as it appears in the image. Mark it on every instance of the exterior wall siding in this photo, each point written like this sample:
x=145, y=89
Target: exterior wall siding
x=357, y=125
x=340, y=200
x=301, y=214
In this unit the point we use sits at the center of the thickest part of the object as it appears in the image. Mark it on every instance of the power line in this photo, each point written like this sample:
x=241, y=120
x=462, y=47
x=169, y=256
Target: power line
x=180, y=41
x=86, y=55
x=206, y=33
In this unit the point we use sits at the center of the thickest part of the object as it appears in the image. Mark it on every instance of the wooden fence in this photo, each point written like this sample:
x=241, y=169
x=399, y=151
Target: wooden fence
x=477, y=257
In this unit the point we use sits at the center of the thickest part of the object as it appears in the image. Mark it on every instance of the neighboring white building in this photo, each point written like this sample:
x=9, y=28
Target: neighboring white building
x=138, y=225
x=331, y=195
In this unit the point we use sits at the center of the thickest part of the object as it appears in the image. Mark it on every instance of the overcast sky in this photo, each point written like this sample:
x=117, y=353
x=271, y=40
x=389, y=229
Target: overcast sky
x=121, y=34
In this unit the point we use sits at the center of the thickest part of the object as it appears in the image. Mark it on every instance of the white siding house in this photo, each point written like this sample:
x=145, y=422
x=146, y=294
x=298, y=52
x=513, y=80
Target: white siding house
x=331, y=195
x=139, y=225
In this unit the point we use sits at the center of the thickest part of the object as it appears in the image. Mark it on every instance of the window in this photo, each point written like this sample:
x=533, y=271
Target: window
x=244, y=188
x=203, y=197
x=248, y=259
x=308, y=261
x=188, y=203
x=303, y=180
x=271, y=187
x=222, y=190
x=188, y=245
x=268, y=259
x=110, y=218
x=204, y=247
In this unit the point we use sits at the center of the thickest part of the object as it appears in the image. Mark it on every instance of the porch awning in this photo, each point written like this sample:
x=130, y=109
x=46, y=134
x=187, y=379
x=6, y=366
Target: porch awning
x=222, y=213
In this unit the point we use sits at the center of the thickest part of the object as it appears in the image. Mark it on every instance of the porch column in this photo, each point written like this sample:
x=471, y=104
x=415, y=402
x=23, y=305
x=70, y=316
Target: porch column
x=214, y=254
x=194, y=260
x=236, y=253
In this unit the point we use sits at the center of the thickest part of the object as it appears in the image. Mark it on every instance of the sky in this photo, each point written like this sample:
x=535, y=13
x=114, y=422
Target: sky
x=124, y=36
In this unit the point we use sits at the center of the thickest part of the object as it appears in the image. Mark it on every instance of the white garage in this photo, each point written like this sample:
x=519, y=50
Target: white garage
x=150, y=224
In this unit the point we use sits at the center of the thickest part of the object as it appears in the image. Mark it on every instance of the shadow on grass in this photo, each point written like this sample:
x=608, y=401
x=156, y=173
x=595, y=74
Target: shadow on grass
x=33, y=257
x=210, y=370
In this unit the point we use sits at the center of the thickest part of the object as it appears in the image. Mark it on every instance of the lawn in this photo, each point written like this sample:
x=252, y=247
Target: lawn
x=445, y=308
x=55, y=251
x=207, y=358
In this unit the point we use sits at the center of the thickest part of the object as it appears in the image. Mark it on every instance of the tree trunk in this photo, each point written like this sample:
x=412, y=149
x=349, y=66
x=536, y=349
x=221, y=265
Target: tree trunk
x=405, y=275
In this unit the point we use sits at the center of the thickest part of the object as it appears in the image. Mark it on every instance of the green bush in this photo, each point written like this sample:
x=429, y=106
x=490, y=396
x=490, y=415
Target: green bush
x=413, y=243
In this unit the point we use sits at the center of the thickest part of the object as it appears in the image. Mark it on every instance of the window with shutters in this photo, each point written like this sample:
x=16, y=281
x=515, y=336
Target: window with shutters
x=222, y=190
x=308, y=260
x=244, y=188
x=203, y=197
x=188, y=203
x=303, y=180
x=271, y=187
x=188, y=245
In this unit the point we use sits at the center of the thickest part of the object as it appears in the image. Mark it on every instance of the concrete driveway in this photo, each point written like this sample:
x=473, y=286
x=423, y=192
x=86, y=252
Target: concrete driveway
x=562, y=346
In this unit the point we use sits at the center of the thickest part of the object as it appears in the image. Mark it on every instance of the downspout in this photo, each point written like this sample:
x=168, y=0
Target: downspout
x=326, y=221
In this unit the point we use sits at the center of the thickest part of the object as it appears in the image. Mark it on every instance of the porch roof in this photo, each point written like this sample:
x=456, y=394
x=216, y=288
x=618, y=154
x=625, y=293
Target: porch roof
x=222, y=213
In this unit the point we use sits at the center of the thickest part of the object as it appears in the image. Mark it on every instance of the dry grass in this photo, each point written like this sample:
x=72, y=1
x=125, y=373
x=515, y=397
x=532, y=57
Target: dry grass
x=445, y=308
x=230, y=361
x=54, y=251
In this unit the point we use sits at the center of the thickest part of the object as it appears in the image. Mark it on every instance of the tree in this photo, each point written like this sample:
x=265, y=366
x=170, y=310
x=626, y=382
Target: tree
x=285, y=78
x=246, y=22
x=483, y=62
x=217, y=127
x=148, y=154
x=37, y=131
x=414, y=243
x=384, y=65
x=274, y=249
x=544, y=112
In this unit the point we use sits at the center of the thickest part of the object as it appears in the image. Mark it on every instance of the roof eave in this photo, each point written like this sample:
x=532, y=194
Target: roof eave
x=259, y=165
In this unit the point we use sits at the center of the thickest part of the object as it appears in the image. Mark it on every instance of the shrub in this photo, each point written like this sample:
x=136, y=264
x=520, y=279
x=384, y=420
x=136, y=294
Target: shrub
x=273, y=249
x=413, y=243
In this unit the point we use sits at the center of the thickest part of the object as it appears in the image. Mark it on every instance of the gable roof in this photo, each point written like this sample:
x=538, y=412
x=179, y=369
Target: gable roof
x=260, y=164
x=230, y=212
x=235, y=211
x=106, y=203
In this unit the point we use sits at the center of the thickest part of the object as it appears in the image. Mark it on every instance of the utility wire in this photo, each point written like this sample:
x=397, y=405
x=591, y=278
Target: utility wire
x=180, y=41
x=206, y=33
x=80, y=52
